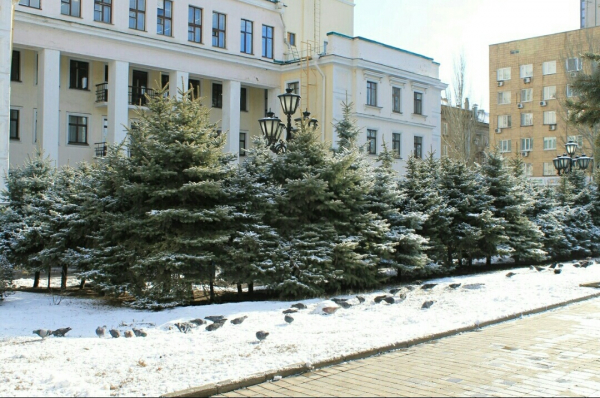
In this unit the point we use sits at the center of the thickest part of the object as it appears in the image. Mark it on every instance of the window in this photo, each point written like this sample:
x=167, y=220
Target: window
x=15, y=67
x=550, y=117
x=526, y=144
x=549, y=143
x=418, y=103
x=217, y=95
x=396, y=95
x=419, y=147
x=505, y=146
x=570, y=91
x=164, y=80
x=295, y=86
x=503, y=74
x=526, y=70
x=549, y=169
x=103, y=11
x=504, y=121
x=372, y=142
x=195, y=24
x=164, y=20
x=79, y=75
x=576, y=138
x=194, y=86
x=526, y=119
x=242, y=144
x=573, y=64
x=31, y=3
x=528, y=169
x=246, y=37
x=549, y=93
x=70, y=7
x=372, y=93
x=445, y=128
x=396, y=144
x=267, y=41
x=549, y=68
x=244, y=100
x=445, y=150
x=14, y=124
x=78, y=126
x=504, y=97
x=527, y=95
x=137, y=14
x=291, y=37
x=218, y=31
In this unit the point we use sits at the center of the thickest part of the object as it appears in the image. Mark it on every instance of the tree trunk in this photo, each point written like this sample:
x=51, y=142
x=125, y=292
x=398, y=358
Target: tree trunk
x=82, y=284
x=399, y=275
x=239, y=287
x=212, y=283
x=470, y=261
x=63, y=277
x=251, y=287
x=36, y=279
x=450, y=260
x=49, y=274
x=488, y=261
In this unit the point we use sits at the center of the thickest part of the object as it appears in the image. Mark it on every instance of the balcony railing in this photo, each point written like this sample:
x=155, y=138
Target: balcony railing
x=139, y=95
x=100, y=149
x=102, y=92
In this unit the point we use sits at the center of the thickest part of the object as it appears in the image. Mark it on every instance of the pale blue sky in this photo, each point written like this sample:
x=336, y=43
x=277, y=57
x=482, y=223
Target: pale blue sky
x=442, y=29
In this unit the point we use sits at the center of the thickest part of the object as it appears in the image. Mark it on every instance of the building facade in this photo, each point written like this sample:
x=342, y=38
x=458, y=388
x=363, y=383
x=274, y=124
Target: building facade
x=590, y=13
x=529, y=83
x=465, y=133
x=81, y=69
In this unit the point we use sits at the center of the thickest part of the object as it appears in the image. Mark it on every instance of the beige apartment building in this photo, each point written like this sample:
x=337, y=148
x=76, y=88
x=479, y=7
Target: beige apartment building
x=529, y=83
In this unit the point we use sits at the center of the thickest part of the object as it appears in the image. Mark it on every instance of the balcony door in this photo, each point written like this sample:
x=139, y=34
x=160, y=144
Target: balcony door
x=139, y=85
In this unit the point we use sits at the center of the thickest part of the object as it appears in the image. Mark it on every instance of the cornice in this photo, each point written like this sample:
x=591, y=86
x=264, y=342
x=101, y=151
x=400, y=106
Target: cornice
x=395, y=121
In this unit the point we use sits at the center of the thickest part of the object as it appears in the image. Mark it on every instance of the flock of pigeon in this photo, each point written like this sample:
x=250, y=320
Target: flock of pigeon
x=395, y=296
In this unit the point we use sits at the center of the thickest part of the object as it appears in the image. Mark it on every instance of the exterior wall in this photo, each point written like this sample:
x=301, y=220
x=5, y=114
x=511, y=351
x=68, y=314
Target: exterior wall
x=557, y=47
x=590, y=13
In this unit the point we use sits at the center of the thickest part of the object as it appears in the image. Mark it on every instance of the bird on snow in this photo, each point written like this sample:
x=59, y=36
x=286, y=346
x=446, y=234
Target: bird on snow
x=330, y=310
x=394, y=291
x=510, y=274
x=410, y=288
x=238, y=321
x=427, y=305
x=557, y=271
x=553, y=266
x=584, y=264
x=61, y=332
x=101, y=331
x=198, y=322
x=339, y=300
x=114, y=333
x=129, y=334
x=139, y=332
x=299, y=306
x=539, y=269
x=389, y=300
x=261, y=335
x=360, y=299
x=428, y=286
x=290, y=311
x=215, y=318
x=344, y=305
x=289, y=319
x=214, y=326
x=43, y=333
x=576, y=265
x=184, y=327
x=418, y=282
x=455, y=285
x=379, y=299
x=400, y=298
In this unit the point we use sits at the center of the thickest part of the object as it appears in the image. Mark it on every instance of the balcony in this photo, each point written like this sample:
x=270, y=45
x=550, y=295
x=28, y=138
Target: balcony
x=100, y=149
x=139, y=95
x=102, y=92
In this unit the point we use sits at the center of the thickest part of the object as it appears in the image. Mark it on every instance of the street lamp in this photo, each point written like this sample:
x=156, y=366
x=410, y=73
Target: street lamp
x=289, y=103
x=564, y=164
x=312, y=122
x=271, y=128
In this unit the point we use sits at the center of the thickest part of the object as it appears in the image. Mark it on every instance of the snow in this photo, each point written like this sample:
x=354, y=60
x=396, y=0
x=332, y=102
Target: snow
x=83, y=365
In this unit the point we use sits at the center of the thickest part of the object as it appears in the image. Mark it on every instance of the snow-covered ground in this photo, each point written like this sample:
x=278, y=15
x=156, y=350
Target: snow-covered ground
x=83, y=365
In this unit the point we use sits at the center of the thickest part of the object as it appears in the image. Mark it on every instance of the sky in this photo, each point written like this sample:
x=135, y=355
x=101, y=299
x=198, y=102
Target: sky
x=445, y=29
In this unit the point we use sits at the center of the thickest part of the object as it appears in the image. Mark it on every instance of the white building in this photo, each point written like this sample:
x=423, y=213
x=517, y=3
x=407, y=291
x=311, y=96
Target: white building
x=80, y=67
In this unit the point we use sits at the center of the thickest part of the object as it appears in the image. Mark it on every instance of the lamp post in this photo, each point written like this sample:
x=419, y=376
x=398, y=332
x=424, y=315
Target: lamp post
x=289, y=104
x=564, y=164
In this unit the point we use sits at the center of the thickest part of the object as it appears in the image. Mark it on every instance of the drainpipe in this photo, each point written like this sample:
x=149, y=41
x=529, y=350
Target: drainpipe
x=323, y=94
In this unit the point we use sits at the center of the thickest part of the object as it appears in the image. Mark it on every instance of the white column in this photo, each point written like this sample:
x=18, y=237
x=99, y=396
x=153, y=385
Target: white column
x=118, y=101
x=49, y=100
x=178, y=81
x=5, y=62
x=231, y=115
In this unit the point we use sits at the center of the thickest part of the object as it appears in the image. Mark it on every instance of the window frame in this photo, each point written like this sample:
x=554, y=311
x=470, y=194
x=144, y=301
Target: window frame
x=545, y=67
x=268, y=43
x=217, y=96
x=371, y=93
x=99, y=7
x=505, y=146
x=137, y=11
x=548, y=169
x=528, y=90
x=243, y=99
x=526, y=144
x=397, y=145
x=547, y=114
x=548, y=143
x=396, y=99
x=291, y=38
x=15, y=72
x=501, y=74
x=578, y=64
x=86, y=125
x=218, y=30
x=242, y=148
x=528, y=68
x=192, y=26
x=295, y=86
x=576, y=138
x=79, y=79
x=69, y=3
x=570, y=91
x=504, y=95
x=16, y=137
x=418, y=103
x=371, y=141
x=195, y=87
x=546, y=93
x=525, y=118
x=528, y=168
x=166, y=20
x=244, y=35
x=418, y=147
x=508, y=119
x=39, y=4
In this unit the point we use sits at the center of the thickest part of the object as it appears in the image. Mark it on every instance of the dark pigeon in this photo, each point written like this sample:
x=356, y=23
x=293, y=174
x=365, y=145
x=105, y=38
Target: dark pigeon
x=585, y=264
x=215, y=318
x=61, y=332
x=379, y=299
x=510, y=274
x=289, y=319
x=394, y=291
x=339, y=300
x=184, y=327
x=428, y=286
x=455, y=285
x=198, y=322
x=344, y=305
x=576, y=265
x=427, y=305
x=539, y=269
x=214, y=326
x=410, y=288
x=418, y=282
x=360, y=299
x=330, y=310
x=553, y=266
x=261, y=335
x=115, y=333
x=101, y=331
x=43, y=333
x=400, y=298
x=238, y=321
x=129, y=334
x=557, y=271
x=290, y=311
x=389, y=300
x=531, y=267
x=299, y=306
x=139, y=332
x=560, y=265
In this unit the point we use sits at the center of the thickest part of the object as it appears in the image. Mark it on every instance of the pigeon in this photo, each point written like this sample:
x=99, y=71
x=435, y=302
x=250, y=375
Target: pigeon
x=360, y=299
x=510, y=274
x=344, y=305
x=531, y=267
x=560, y=265
x=215, y=318
x=379, y=299
x=585, y=264
x=61, y=332
x=389, y=300
x=330, y=310
x=576, y=265
x=401, y=298
x=539, y=269
x=183, y=327
x=261, y=335
x=474, y=286
x=418, y=282
x=290, y=311
x=339, y=300
x=129, y=334
x=198, y=322
x=115, y=333
x=553, y=266
x=410, y=288
x=557, y=271
x=455, y=285
x=394, y=291
x=101, y=331
x=43, y=333
x=289, y=319
x=238, y=321
x=214, y=326
x=139, y=332
x=299, y=306
x=427, y=305
x=428, y=286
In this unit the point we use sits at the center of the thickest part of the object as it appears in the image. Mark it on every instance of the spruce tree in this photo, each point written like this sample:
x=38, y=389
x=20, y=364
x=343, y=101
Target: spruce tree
x=346, y=129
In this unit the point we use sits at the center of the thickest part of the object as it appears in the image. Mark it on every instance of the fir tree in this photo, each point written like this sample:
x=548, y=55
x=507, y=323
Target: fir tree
x=346, y=129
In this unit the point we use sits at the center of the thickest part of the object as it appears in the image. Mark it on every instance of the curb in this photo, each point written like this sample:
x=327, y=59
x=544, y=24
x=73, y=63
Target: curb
x=299, y=368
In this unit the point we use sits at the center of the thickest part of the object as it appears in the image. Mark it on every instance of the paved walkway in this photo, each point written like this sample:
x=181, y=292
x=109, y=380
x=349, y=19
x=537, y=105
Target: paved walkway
x=556, y=353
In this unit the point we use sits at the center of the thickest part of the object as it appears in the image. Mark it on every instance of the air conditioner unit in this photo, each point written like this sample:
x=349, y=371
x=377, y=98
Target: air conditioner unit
x=553, y=127
x=500, y=83
x=543, y=103
x=498, y=131
x=520, y=106
x=525, y=153
x=527, y=80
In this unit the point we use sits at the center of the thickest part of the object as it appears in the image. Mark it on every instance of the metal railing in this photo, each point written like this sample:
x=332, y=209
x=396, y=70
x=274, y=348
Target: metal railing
x=102, y=92
x=140, y=95
x=100, y=149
